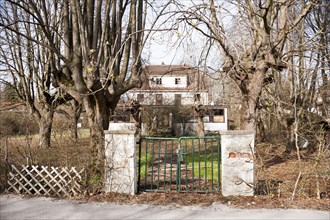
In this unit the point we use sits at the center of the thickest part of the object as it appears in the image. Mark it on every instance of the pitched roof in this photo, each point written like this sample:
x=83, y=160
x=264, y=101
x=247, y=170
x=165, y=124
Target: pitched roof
x=171, y=70
x=161, y=70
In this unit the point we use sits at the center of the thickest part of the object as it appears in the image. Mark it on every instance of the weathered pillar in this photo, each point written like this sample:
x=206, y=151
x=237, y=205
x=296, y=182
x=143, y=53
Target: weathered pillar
x=120, y=158
x=237, y=159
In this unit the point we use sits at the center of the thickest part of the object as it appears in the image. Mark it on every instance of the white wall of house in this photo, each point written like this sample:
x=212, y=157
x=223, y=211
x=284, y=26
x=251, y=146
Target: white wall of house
x=215, y=126
x=187, y=97
x=168, y=81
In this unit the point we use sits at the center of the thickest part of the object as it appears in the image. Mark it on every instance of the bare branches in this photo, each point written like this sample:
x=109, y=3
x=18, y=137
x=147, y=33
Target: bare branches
x=252, y=59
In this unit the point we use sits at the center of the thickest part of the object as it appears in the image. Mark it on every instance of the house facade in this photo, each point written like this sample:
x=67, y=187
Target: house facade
x=169, y=85
x=168, y=96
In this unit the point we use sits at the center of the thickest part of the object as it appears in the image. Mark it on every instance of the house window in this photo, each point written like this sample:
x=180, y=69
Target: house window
x=197, y=97
x=140, y=98
x=189, y=80
x=217, y=115
x=177, y=81
x=158, y=81
x=177, y=99
x=159, y=99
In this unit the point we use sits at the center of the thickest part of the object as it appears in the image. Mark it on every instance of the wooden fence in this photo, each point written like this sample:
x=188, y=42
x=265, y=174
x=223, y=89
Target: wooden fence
x=46, y=181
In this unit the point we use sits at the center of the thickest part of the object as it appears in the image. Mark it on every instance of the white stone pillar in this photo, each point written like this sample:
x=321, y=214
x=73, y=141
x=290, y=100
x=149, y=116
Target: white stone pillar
x=120, y=158
x=237, y=159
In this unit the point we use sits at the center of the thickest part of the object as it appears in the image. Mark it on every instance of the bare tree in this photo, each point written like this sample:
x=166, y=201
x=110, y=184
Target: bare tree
x=265, y=25
x=293, y=105
x=318, y=23
x=96, y=48
x=26, y=68
x=297, y=92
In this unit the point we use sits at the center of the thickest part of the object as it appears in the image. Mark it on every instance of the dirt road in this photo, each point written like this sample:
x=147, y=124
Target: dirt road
x=15, y=207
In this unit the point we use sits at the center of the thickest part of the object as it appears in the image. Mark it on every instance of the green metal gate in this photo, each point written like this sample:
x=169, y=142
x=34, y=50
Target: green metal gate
x=185, y=164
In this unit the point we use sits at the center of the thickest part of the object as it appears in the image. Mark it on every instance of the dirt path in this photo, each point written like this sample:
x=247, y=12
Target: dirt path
x=15, y=207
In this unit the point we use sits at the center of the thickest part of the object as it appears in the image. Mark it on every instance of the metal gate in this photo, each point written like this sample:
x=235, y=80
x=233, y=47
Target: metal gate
x=186, y=164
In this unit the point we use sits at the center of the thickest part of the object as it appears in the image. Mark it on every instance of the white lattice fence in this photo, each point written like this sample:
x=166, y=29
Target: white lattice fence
x=44, y=180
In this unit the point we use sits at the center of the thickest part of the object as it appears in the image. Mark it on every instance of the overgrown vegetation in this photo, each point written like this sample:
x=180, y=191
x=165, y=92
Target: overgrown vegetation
x=21, y=148
x=290, y=176
x=275, y=175
x=279, y=62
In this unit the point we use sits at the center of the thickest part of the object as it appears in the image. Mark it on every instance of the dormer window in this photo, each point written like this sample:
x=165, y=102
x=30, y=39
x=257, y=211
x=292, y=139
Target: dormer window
x=158, y=81
x=177, y=81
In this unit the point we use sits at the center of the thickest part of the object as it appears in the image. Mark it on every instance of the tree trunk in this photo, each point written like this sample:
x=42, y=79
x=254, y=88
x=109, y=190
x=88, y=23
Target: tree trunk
x=76, y=111
x=96, y=168
x=74, y=129
x=200, y=112
x=201, y=131
x=98, y=114
x=251, y=90
x=248, y=113
x=261, y=130
x=45, y=123
x=97, y=141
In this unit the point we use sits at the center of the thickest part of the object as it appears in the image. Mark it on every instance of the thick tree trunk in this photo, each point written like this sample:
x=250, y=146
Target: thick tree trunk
x=98, y=114
x=200, y=122
x=251, y=90
x=96, y=168
x=200, y=112
x=248, y=113
x=97, y=141
x=45, y=123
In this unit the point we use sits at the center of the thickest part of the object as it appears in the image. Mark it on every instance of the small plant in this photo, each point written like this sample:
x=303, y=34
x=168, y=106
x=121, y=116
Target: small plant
x=144, y=164
x=93, y=181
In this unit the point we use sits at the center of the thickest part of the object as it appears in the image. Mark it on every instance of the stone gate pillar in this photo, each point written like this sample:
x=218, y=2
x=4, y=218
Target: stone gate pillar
x=237, y=159
x=120, y=164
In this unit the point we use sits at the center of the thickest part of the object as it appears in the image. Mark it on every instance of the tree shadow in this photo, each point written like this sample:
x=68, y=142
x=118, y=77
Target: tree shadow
x=273, y=161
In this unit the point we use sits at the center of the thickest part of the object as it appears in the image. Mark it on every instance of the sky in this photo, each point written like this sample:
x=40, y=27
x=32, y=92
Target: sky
x=180, y=46
x=162, y=54
x=160, y=47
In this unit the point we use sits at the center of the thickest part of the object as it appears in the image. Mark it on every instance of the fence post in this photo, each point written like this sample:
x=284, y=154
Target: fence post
x=237, y=159
x=120, y=164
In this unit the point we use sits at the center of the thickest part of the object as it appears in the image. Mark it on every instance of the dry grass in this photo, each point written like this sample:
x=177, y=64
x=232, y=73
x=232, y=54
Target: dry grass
x=24, y=150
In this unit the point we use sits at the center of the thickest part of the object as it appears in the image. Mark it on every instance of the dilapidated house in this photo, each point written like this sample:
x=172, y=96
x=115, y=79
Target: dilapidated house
x=168, y=96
